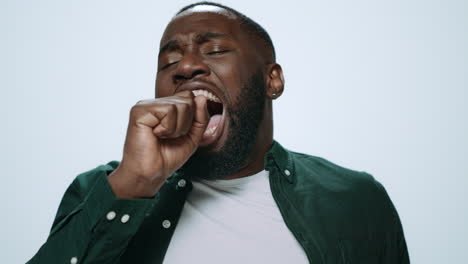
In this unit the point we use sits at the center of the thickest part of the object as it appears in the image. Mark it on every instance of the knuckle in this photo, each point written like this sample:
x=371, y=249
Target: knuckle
x=167, y=108
x=190, y=106
x=191, y=102
x=184, y=107
x=162, y=109
x=135, y=107
x=136, y=110
x=146, y=101
x=172, y=107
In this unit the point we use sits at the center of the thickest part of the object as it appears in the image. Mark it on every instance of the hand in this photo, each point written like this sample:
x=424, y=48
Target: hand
x=162, y=135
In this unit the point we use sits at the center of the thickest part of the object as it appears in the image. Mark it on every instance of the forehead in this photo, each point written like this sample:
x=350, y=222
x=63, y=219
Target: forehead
x=207, y=20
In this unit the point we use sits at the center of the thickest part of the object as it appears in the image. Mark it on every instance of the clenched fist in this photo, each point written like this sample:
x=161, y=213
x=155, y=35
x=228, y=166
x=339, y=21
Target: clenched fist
x=162, y=135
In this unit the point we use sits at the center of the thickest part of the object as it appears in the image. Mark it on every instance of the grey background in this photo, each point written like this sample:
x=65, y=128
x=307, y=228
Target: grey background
x=379, y=86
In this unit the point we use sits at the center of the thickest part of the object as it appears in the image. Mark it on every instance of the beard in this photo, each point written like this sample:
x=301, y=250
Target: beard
x=244, y=120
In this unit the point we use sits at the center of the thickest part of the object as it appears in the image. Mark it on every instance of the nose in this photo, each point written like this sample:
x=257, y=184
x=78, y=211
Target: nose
x=189, y=67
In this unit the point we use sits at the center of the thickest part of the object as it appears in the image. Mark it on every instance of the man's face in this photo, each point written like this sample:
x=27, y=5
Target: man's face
x=208, y=51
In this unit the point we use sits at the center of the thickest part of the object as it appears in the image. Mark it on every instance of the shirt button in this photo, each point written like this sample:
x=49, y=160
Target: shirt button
x=111, y=215
x=74, y=260
x=181, y=183
x=166, y=224
x=125, y=218
x=287, y=172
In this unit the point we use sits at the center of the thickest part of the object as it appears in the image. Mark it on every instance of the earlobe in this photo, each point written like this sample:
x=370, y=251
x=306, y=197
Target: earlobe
x=275, y=84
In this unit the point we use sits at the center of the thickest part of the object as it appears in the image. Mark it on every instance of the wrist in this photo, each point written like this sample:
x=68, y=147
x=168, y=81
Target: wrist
x=126, y=185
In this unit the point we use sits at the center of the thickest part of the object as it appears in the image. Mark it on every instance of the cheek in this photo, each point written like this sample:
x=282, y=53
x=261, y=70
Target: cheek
x=164, y=86
x=233, y=75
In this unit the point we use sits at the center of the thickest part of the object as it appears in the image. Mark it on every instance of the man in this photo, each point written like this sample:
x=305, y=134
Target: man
x=202, y=180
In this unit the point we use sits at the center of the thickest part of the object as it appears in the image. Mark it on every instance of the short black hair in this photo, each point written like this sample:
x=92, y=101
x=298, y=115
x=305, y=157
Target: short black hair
x=250, y=25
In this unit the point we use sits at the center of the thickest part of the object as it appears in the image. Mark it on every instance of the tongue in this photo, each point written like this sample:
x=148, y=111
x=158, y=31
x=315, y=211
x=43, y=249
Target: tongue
x=213, y=124
x=210, y=132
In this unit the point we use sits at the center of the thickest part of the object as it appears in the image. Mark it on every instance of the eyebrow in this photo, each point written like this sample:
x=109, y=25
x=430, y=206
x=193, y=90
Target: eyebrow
x=206, y=36
x=199, y=39
x=171, y=45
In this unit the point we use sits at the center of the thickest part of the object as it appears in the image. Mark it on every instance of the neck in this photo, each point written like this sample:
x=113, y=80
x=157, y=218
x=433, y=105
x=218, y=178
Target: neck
x=255, y=161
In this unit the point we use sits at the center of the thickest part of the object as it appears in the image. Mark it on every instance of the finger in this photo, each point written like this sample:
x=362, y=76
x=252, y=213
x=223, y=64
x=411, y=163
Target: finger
x=200, y=121
x=185, y=114
x=143, y=117
x=146, y=101
x=183, y=122
x=187, y=94
x=181, y=97
x=167, y=114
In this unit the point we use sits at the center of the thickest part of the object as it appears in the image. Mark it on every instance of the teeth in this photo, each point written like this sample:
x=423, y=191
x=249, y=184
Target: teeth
x=210, y=130
x=206, y=94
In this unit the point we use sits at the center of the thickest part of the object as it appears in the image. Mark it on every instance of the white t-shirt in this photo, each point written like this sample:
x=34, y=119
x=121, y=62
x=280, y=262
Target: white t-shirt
x=233, y=221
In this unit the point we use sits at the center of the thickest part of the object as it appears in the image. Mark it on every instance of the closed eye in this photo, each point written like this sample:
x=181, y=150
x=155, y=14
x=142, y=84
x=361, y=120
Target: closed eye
x=167, y=65
x=217, y=52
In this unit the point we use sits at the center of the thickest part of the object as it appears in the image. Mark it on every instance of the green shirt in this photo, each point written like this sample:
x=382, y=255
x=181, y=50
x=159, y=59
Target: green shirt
x=336, y=214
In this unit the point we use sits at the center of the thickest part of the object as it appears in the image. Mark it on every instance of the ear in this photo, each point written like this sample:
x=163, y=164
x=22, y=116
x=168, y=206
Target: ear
x=274, y=81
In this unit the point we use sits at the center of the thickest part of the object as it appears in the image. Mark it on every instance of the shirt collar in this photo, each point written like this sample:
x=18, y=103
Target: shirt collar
x=280, y=158
x=276, y=158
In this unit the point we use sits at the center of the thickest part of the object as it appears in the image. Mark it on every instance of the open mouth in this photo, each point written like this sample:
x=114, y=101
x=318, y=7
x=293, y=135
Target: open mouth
x=216, y=112
x=214, y=105
x=214, y=108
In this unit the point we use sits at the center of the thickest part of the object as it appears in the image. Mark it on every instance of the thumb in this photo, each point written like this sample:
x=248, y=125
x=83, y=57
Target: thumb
x=200, y=120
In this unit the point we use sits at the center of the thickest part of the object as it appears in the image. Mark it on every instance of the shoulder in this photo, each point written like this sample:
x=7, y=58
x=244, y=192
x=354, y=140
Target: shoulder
x=331, y=176
x=319, y=177
x=339, y=185
x=348, y=203
x=355, y=195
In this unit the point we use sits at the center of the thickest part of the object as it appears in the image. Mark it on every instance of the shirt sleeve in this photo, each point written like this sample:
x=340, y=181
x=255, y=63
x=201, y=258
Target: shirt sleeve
x=395, y=248
x=92, y=225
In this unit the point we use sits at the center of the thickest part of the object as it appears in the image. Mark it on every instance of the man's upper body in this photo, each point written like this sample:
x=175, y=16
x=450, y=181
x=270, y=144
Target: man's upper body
x=210, y=129
x=336, y=215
